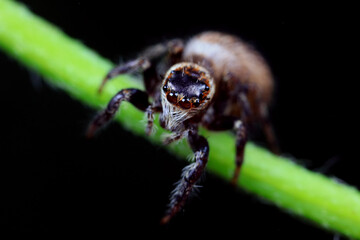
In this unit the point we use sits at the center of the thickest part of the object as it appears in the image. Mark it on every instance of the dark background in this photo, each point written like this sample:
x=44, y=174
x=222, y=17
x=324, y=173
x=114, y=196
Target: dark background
x=56, y=181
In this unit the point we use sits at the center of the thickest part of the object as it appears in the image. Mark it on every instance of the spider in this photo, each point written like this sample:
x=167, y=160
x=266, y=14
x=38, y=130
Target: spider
x=215, y=80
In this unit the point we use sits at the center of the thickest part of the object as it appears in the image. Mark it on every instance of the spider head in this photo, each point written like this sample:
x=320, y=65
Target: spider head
x=187, y=89
x=188, y=86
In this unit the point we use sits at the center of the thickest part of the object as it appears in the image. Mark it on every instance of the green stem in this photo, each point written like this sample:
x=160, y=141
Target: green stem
x=71, y=66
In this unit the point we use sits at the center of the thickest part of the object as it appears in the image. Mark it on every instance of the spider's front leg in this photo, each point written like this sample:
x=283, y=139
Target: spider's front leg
x=135, y=96
x=147, y=65
x=139, y=64
x=190, y=175
x=173, y=49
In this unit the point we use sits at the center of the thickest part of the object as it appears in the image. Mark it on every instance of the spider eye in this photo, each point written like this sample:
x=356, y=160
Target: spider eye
x=207, y=88
x=185, y=103
x=197, y=103
x=201, y=96
x=172, y=98
x=165, y=88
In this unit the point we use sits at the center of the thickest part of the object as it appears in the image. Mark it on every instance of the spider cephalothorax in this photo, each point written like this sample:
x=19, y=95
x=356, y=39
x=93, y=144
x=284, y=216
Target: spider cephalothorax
x=214, y=80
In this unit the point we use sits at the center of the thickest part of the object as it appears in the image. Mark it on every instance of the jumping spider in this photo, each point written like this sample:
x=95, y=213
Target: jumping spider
x=214, y=80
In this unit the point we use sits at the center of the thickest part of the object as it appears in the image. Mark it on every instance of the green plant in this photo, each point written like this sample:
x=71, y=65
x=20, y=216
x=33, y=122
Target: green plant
x=69, y=65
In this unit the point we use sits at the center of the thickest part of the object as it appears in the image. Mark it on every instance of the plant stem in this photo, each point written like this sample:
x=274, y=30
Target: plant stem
x=71, y=66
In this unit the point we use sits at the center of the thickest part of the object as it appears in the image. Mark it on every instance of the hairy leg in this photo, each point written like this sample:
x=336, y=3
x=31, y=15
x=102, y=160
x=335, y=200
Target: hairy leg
x=139, y=64
x=268, y=129
x=172, y=49
x=249, y=93
x=243, y=95
x=260, y=110
x=241, y=139
x=215, y=120
x=135, y=96
x=221, y=123
x=145, y=64
x=150, y=111
x=190, y=175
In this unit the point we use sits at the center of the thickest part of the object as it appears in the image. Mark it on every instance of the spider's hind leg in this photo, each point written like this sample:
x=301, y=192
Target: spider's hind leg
x=255, y=108
x=268, y=129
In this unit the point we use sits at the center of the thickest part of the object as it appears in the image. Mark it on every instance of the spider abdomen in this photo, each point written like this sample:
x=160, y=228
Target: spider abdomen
x=224, y=54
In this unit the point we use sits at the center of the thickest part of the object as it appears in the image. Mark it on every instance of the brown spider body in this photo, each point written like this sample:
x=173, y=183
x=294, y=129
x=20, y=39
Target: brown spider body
x=232, y=63
x=223, y=54
x=214, y=80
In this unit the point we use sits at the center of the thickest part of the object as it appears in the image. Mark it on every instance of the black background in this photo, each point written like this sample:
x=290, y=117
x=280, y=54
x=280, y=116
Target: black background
x=56, y=181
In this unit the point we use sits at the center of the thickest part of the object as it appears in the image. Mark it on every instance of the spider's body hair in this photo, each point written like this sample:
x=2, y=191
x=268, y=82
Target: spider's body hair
x=173, y=116
x=223, y=53
x=183, y=187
